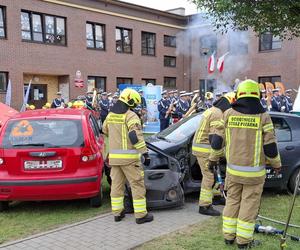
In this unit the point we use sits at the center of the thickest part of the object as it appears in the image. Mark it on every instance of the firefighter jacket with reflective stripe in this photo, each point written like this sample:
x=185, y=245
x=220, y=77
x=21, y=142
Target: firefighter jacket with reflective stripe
x=117, y=127
x=210, y=124
x=246, y=136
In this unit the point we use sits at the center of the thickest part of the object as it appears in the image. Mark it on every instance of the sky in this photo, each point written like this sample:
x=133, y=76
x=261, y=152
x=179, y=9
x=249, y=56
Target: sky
x=166, y=4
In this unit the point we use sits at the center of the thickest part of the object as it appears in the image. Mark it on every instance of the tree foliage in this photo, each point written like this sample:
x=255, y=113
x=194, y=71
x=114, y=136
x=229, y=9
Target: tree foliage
x=281, y=17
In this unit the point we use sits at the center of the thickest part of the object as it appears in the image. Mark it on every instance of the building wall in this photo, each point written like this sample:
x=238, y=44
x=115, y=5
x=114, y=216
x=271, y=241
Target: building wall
x=41, y=59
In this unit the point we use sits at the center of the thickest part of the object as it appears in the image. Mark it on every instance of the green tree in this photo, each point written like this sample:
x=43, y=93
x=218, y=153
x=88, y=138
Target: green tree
x=281, y=17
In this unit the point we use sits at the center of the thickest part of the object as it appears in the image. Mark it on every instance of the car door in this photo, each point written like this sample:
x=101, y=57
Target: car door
x=286, y=147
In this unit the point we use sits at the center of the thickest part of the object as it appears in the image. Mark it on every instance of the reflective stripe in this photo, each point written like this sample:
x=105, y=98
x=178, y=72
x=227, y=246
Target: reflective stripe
x=115, y=119
x=140, y=145
x=133, y=121
x=204, y=121
x=217, y=153
x=276, y=159
x=124, y=137
x=206, y=195
x=268, y=127
x=202, y=150
x=245, y=229
x=228, y=141
x=139, y=206
x=124, y=154
x=245, y=171
x=117, y=203
x=200, y=147
x=257, y=149
x=229, y=225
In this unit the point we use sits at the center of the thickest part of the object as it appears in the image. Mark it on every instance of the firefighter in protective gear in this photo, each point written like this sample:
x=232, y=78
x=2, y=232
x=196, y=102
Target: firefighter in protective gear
x=126, y=145
x=250, y=141
x=202, y=148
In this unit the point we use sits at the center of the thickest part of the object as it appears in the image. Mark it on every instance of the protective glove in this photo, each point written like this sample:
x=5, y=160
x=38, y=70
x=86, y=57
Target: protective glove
x=146, y=159
x=277, y=171
x=212, y=165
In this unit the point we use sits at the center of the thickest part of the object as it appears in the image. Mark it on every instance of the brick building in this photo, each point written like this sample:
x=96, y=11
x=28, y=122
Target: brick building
x=112, y=42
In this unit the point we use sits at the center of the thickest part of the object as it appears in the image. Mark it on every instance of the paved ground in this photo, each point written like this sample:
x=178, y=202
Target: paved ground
x=103, y=233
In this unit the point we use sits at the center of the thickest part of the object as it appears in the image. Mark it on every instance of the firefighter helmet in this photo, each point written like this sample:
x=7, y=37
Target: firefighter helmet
x=209, y=95
x=31, y=107
x=248, y=88
x=231, y=97
x=130, y=97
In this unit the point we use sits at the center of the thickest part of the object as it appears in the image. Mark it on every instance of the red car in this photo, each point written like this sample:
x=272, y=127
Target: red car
x=53, y=154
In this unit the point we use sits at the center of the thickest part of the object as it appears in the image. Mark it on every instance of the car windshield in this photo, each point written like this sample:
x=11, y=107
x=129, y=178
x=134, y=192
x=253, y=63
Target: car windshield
x=43, y=133
x=182, y=129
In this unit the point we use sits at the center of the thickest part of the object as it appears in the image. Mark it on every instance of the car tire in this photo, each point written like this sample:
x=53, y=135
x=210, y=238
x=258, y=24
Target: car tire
x=96, y=201
x=3, y=206
x=293, y=181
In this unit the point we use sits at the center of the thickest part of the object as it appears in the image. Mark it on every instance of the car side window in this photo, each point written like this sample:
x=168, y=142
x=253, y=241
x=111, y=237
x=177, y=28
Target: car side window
x=94, y=128
x=282, y=129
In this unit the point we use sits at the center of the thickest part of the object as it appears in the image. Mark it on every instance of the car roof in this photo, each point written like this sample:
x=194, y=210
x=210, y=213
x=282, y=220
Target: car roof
x=54, y=113
x=284, y=114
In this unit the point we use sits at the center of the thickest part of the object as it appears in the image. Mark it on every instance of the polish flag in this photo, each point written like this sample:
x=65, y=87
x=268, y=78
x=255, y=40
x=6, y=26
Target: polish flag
x=211, y=63
x=220, y=62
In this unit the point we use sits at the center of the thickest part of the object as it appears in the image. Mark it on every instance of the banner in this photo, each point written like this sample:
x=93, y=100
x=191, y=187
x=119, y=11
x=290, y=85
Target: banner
x=26, y=97
x=152, y=95
x=8, y=94
x=131, y=86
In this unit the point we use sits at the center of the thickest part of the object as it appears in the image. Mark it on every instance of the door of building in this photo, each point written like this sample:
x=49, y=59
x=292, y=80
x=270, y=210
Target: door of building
x=38, y=95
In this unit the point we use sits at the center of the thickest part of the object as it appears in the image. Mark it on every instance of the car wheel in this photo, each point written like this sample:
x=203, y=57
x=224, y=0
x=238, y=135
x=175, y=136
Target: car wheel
x=293, y=182
x=3, y=206
x=96, y=201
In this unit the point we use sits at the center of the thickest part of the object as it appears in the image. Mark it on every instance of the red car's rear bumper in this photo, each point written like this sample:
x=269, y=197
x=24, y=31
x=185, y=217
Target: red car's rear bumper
x=50, y=189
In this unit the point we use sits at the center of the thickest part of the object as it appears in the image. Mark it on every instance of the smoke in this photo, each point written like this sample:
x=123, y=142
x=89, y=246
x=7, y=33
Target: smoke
x=200, y=38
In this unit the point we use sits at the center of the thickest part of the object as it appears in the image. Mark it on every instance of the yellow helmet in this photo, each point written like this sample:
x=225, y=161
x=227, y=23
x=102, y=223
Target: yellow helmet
x=231, y=97
x=32, y=107
x=48, y=105
x=209, y=95
x=70, y=104
x=248, y=88
x=130, y=97
x=78, y=104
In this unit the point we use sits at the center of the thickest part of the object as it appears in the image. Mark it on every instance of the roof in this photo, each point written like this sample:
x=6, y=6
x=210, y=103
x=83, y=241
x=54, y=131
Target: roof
x=57, y=113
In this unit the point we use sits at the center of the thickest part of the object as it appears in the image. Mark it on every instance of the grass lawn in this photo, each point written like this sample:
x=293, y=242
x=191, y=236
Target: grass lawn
x=209, y=234
x=26, y=218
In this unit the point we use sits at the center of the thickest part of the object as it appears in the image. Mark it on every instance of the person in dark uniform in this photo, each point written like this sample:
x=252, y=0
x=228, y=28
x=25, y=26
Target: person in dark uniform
x=104, y=105
x=276, y=101
x=163, y=108
x=176, y=97
x=218, y=96
x=114, y=100
x=143, y=107
x=264, y=100
x=287, y=101
x=58, y=102
x=89, y=100
x=182, y=106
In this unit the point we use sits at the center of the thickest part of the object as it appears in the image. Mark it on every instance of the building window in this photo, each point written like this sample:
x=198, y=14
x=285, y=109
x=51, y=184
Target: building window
x=3, y=80
x=238, y=42
x=95, y=36
x=148, y=43
x=170, y=61
x=147, y=81
x=123, y=80
x=170, y=41
x=267, y=41
x=98, y=82
x=123, y=40
x=208, y=45
x=43, y=28
x=2, y=22
x=169, y=82
x=272, y=79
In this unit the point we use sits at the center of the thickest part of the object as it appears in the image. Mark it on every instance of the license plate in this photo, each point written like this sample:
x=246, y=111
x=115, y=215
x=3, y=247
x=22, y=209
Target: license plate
x=32, y=165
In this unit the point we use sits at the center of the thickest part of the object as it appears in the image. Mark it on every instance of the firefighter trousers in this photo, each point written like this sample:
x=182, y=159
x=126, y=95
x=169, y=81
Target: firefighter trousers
x=135, y=176
x=208, y=180
x=241, y=210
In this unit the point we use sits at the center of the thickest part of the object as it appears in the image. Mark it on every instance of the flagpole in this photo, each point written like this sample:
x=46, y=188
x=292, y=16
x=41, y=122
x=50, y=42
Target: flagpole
x=25, y=100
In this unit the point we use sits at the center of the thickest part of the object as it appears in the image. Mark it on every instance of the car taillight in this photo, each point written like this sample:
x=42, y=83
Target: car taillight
x=1, y=161
x=87, y=155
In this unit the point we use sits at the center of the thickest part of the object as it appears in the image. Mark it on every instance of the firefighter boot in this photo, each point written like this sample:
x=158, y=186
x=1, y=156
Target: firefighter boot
x=120, y=217
x=145, y=219
x=228, y=242
x=209, y=210
x=253, y=243
x=219, y=201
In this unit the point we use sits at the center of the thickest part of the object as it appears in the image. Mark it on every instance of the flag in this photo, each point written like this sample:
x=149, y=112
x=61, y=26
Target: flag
x=26, y=97
x=8, y=94
x=220, y=62
x=211, y=63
